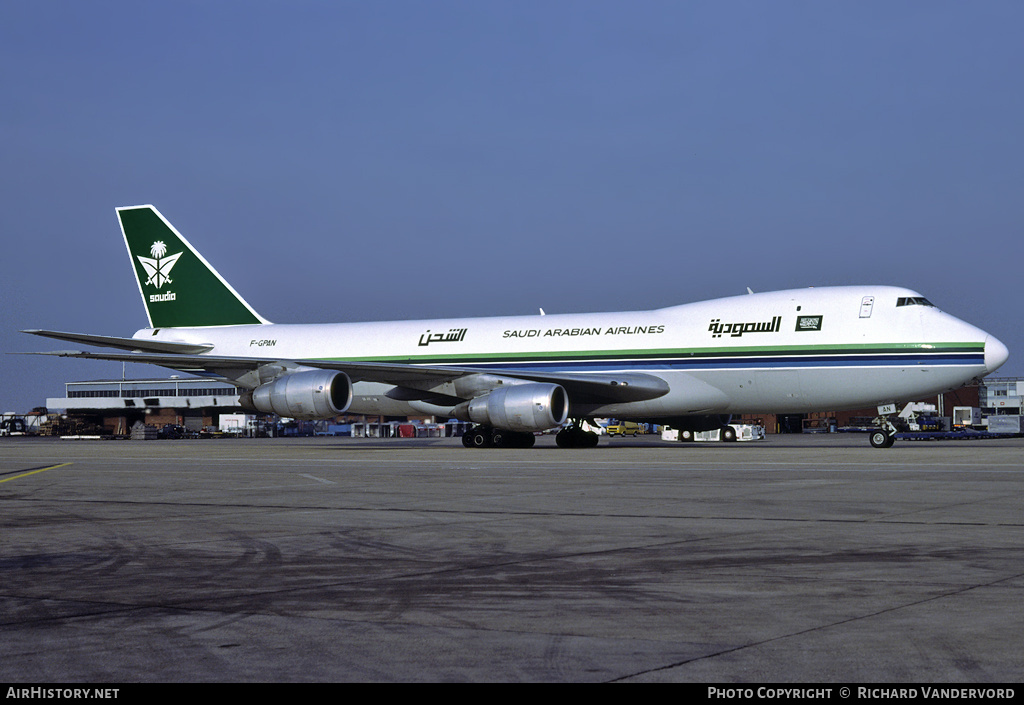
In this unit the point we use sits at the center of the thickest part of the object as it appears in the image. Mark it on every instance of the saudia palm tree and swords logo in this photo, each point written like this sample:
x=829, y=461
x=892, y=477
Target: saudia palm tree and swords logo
x=158, y=269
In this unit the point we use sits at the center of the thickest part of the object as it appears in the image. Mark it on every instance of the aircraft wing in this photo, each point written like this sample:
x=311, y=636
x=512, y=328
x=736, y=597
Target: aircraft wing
x=600, y=387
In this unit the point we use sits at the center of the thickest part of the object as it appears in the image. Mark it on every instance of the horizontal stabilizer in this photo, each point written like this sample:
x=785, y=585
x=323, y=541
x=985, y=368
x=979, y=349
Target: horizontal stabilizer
x=104, y=341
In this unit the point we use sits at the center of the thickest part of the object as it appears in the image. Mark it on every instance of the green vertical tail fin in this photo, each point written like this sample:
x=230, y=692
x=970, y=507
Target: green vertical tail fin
x=179, y=288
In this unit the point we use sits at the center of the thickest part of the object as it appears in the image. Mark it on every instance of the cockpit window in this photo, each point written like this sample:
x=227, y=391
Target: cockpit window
x=914, y=301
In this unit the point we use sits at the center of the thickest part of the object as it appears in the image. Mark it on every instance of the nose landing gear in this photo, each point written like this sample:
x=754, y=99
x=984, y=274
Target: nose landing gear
x=881, y=438
x=885, y=435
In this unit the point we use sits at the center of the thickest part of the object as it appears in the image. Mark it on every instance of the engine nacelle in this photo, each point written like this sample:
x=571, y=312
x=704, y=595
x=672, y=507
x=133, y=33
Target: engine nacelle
x=521, y=407
x=311, y=394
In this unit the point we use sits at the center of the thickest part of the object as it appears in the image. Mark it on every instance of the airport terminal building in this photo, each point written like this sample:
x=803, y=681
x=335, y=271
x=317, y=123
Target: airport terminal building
x=116, y=405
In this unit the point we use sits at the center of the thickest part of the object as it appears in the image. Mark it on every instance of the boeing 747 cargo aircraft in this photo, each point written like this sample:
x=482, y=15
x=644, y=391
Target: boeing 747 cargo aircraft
x=691, y=366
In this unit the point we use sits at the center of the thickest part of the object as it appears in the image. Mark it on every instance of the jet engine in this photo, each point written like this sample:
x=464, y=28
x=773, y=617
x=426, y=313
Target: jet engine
x=521, y=407
x=311, y=394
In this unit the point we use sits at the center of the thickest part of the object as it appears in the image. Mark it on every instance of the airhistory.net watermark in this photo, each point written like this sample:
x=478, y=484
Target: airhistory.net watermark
x=40, y=693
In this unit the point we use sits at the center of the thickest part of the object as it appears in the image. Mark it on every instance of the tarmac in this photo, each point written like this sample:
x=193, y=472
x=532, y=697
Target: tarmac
x=797, y=559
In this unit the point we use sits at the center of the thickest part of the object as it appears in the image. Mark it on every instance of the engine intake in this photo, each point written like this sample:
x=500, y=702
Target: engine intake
x=312, y=394
x=521, y=407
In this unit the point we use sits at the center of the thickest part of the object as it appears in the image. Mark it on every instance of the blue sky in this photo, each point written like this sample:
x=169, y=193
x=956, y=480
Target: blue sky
x=377, y=160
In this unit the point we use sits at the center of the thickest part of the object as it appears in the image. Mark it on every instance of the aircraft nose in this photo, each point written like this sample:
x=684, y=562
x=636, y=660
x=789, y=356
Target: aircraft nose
x=995, y=354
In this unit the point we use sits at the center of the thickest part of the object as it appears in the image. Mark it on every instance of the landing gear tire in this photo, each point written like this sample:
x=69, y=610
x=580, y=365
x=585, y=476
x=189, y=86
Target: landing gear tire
x=478, y=437
x=526, y=440
x=572, y=437
x=486, y=437
x=881, y=438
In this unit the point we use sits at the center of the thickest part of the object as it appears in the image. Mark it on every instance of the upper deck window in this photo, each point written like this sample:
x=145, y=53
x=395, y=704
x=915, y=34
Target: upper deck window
x=914, y=301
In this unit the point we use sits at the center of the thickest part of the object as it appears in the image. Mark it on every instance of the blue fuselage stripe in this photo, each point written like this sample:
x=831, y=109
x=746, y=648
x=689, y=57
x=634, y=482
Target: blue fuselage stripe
x=736, y=363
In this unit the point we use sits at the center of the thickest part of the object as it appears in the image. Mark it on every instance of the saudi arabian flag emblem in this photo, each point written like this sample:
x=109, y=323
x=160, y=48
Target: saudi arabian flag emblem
x=158, y=269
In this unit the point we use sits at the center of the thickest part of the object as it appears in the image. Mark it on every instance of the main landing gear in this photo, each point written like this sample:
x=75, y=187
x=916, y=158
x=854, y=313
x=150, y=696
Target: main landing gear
x=573, y=436
x=488, y=437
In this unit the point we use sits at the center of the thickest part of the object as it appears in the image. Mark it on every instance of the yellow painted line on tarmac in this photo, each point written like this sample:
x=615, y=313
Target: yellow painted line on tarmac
x=33, y=472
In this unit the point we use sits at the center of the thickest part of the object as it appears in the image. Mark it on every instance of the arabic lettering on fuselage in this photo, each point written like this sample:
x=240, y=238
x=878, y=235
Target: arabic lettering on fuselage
x=736, y=330
x=454, y=335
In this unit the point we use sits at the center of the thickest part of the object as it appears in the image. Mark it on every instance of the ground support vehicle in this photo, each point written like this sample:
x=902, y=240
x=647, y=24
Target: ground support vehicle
x=727, y=434
x=624, y=428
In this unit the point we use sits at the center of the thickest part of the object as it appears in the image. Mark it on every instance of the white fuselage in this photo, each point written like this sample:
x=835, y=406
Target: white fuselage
x=801, y=350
